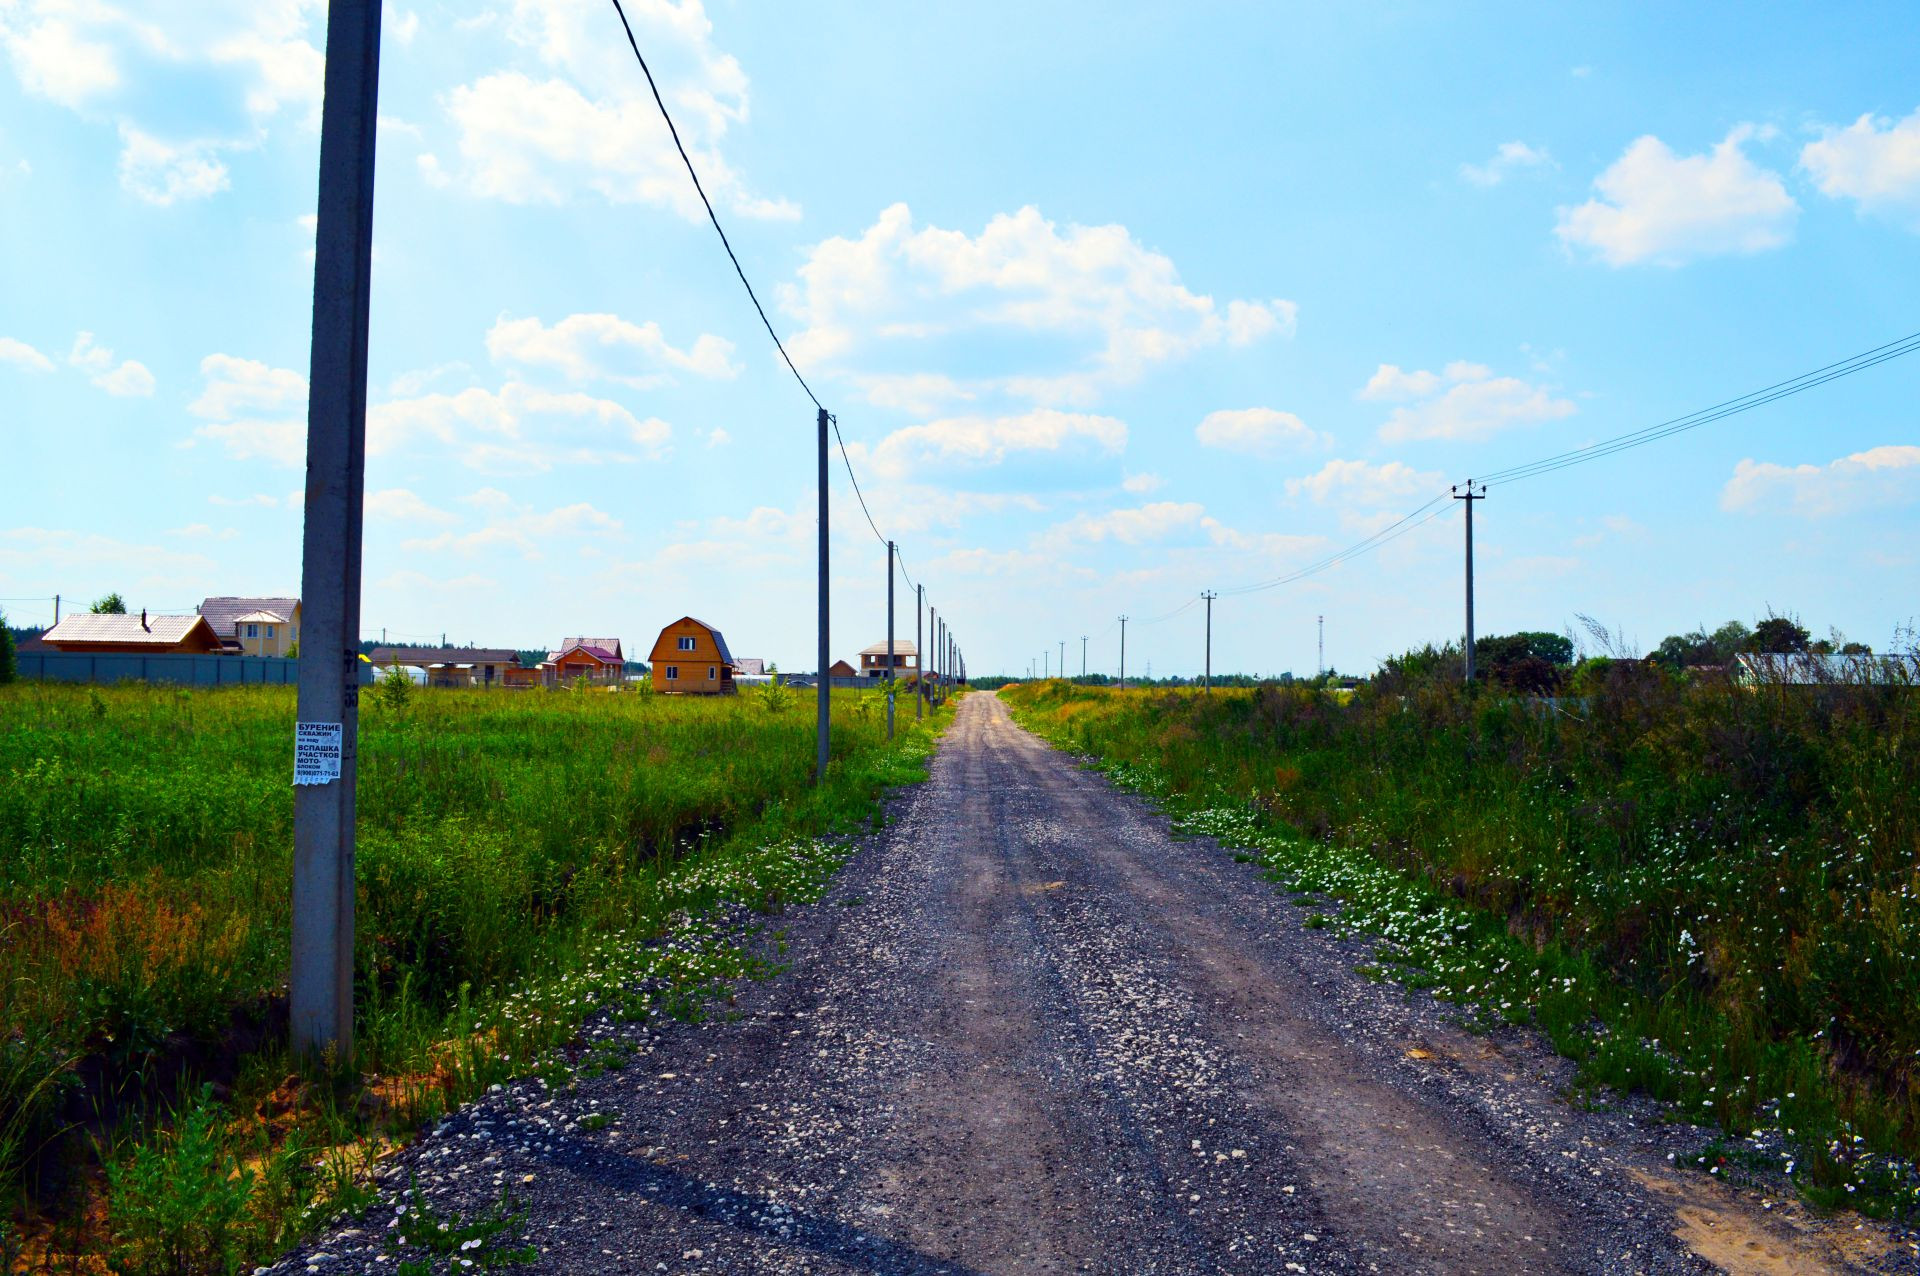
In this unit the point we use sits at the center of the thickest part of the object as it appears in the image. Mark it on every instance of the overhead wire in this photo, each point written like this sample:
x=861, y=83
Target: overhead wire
x=714, y=218
x=1392, y=531
x=1705, y=416
x=1168, y=615
x=1414, y=519
x=835, y=422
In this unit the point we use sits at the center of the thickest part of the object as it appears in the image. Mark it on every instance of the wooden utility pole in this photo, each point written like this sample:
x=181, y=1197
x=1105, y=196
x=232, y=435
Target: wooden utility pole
x=1207, y=675
x=1466, y=492
x=823, y=723
x=327, y=718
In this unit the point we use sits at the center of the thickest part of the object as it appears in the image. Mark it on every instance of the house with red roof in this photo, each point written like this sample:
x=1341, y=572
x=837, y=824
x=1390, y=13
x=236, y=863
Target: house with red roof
x=584, y=658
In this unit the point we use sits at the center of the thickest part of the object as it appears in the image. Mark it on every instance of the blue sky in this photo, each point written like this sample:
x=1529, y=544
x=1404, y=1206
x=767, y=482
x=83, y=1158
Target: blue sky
x=1114, y=304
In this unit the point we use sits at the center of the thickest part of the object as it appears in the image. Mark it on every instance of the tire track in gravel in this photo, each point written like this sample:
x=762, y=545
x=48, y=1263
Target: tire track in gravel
x=1028, y=1030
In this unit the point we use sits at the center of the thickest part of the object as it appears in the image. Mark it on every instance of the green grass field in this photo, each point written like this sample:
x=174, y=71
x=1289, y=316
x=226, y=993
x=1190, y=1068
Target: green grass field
x=515, y=853
x=1706, y=893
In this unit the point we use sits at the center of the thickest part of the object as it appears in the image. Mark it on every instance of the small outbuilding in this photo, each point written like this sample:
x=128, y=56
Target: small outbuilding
x=142, y=635
x=451, y=666
x=841, y=669
x=690, y=657
x=1816, y=669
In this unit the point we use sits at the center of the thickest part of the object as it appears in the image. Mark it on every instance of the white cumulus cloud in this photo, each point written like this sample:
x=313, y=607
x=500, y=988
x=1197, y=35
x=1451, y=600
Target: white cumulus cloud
x=1462, y=401
x=1507, y=158
x=127, y=379
x=21, y=355
x=590, y=346
x=54, y=59
x=242, y=64
x=402, y=505
x=978, y=441
x=517, y=428
x=1109, y=308
x=584, y=120
x=1655, y=206
x=1257, y=431
x=512, y=526
x=1875, y=162
x=236, y=386
x=164, y=173
x=1134, y=526
x=253, y=411
x=1364, y=483
x=1878, y=477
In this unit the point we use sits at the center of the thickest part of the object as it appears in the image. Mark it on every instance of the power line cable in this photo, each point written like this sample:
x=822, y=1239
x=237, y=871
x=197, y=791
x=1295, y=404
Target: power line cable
x=1169, y=615
x=1607, y=447
x=711, y=215
x=1392, y=531
x=899, y=560
x=1705, y=416
x=835, y=422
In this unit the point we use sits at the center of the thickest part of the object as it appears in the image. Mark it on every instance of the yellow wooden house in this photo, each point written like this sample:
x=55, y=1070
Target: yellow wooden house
x=690, y=657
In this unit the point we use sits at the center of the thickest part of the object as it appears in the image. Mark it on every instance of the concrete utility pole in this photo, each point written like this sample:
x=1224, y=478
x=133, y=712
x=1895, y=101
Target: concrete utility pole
x=889, y=640
x=1323, y=646
x=327, y=720
x=1083, y=655
x=933, y=647
x=1046, y=664
x=1063, y=657
x=823, y=721
x=919, y=656
x=1466, y=492
x=56, y=609
x=1209, y=595
x=1123, y=653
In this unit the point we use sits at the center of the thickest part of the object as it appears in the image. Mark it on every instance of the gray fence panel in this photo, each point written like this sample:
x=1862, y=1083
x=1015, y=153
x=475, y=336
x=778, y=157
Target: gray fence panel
x=192, y=670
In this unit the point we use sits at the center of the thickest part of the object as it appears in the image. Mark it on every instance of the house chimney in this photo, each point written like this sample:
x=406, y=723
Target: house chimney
x=143, y=620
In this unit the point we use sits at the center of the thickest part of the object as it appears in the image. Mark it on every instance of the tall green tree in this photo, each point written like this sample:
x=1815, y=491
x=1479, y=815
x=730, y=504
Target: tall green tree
x=8, y=668
x=112, y=605
x=1730, y=640
x=1780, y=635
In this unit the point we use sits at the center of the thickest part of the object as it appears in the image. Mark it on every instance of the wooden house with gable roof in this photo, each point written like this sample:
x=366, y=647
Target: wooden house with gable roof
x=690, y=657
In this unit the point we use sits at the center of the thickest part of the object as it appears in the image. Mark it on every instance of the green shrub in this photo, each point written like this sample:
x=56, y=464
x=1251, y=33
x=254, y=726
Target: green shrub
x=179, y=1201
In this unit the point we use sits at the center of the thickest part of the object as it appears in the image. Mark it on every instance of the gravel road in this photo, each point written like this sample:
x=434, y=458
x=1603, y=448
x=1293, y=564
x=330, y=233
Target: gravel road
x=1030, y=1031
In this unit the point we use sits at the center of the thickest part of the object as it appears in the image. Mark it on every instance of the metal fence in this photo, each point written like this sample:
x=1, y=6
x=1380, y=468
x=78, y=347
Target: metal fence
x=198, y=671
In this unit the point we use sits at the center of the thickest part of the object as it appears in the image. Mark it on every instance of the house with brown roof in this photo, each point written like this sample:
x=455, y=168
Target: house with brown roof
x=133, y=635
x=690, y=657
x=841, y=669
x=255, y=626
x=483, y=667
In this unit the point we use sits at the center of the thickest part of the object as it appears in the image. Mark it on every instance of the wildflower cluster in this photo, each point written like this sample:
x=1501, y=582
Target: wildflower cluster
x=1659, y=924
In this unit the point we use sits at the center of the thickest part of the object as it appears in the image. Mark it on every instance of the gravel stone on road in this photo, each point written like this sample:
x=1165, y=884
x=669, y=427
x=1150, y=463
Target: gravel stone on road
x=1030, y=1030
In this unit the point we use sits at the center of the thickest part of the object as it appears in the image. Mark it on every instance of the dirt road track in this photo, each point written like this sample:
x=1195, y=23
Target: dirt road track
x=1029, y=1031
